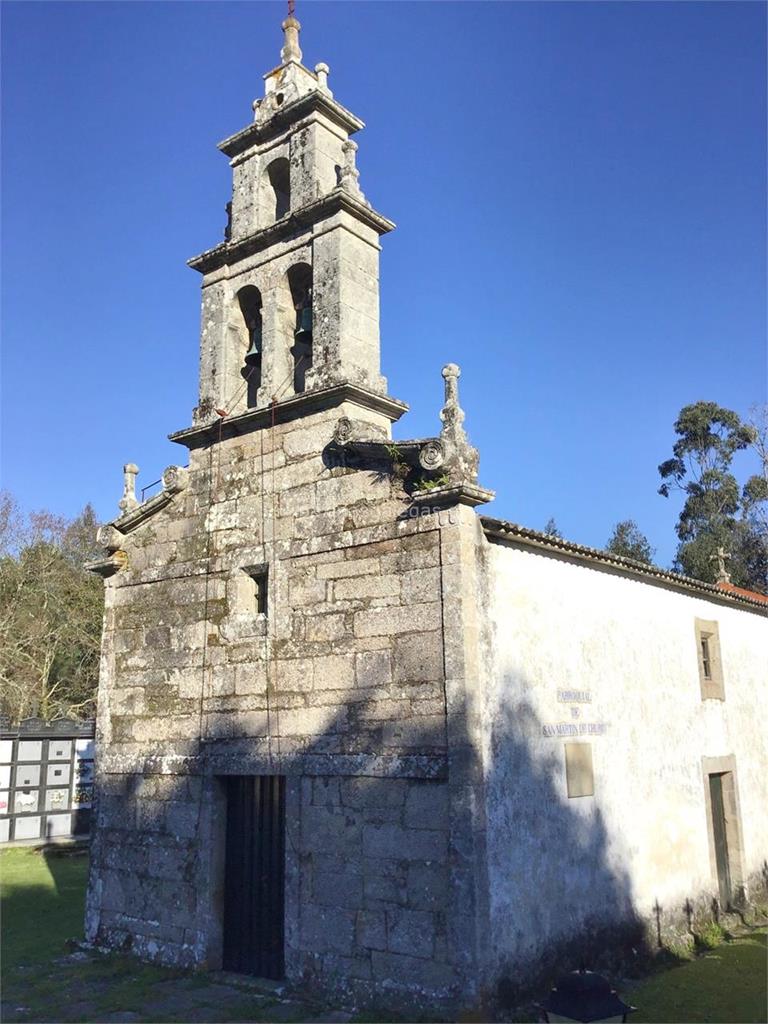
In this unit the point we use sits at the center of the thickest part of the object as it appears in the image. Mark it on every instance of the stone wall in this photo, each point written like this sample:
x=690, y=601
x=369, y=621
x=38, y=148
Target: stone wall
x=372, y=894
x=340, y=686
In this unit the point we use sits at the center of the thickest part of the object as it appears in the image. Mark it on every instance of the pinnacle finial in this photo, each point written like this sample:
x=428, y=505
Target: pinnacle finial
x=128, y=502
x=452, y=411
x=291, y=50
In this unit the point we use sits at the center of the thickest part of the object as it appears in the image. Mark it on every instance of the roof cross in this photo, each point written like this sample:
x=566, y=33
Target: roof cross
x=723, y=576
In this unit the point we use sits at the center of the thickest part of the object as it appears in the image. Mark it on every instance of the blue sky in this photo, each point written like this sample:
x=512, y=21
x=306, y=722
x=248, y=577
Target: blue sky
x=579, y=190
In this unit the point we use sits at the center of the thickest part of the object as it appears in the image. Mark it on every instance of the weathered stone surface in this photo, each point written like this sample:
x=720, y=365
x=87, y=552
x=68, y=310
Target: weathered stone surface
x=371, y=929
x=327, y=929
x=418, y=658
x=394, y=841
x=426, y=806
x=395, y=970
x=410, y=932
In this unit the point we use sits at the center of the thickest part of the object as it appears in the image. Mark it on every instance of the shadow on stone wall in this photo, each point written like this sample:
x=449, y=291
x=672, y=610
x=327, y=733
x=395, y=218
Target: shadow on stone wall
x=380, y=905
x=558, y=898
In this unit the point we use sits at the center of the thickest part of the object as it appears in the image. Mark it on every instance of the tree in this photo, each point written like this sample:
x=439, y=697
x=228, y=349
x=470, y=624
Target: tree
x=551, y=529
x=755, y=493
x=50, y=614
x=717, y=511
x=627, y=541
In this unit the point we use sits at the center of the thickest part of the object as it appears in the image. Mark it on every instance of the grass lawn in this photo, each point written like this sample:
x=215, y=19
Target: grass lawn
x=44, y=980
x=727, y=984
x=43, y=901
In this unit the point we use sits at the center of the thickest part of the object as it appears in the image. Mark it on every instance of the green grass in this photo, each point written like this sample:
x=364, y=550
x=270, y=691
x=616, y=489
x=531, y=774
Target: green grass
x=726, y=985
x=43, y=901
x=43, y=898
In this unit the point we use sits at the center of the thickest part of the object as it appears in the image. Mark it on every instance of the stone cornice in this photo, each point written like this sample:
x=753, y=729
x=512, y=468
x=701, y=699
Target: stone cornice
x=235, y=757
x=339, y=200
x=128, y=522
x=457, y=494
x=106, y=567
x=315, y=101
x=111, y=535
x=290, y=409
x=502, y=530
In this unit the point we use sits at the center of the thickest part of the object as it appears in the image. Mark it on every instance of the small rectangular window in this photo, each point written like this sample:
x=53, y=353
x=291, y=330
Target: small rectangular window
x=706, y=660
x=710, y=665
x=579, y=774
x=260, y=595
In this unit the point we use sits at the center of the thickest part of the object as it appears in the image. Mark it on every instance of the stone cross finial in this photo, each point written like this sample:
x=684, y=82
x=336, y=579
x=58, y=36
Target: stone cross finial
x=291, y=49
x=128, y=500
x=723, y=576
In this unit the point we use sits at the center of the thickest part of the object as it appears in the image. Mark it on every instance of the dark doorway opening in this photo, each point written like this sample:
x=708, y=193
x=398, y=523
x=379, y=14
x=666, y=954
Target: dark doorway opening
x=720, y=836
x=254, y=882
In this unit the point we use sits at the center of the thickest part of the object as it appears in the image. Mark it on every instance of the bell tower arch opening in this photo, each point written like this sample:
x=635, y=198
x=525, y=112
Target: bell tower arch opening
x=249, y=301
x=279, y=177
x=300, y=284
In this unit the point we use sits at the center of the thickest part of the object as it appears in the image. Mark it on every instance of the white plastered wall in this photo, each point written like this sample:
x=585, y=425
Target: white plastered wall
x=641, y=842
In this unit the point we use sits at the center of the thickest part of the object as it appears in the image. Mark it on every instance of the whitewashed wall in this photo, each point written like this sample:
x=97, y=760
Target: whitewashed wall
x=556, y=863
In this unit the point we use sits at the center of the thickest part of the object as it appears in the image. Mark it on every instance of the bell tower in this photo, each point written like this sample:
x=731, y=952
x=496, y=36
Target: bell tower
x=291, y=296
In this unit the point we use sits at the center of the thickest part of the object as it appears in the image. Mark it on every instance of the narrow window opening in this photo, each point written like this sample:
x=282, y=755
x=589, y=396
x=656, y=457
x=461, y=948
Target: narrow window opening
x=249, y=299
x=706, y=660
x=710, y=660
x=260, y=588
x=279, y=174
x=300, y=281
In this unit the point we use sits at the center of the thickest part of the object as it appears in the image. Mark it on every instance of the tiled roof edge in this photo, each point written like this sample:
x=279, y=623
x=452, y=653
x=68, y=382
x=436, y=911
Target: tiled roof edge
x=503, y=529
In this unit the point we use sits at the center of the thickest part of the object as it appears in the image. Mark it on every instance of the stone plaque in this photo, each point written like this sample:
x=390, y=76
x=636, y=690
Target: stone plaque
x=59, y=750
x=5, y=776
x=6, y=751
x=25, y=801
x=58, y=775
x=57, y=799
x=30, y=750
x=27, y=775
x=5, y=830
x=58, y=825
x=27, y=828
x=5, y=796
x=578, y=769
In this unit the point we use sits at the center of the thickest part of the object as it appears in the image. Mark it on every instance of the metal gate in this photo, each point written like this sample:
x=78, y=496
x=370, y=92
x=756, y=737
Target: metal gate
x=254, y=883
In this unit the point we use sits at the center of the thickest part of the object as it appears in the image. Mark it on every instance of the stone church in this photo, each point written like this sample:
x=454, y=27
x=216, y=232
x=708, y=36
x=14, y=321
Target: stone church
x=353, y=733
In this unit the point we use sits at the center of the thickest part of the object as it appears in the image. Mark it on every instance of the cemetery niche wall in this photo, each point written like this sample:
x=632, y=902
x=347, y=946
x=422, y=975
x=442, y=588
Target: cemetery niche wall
x=46, y=781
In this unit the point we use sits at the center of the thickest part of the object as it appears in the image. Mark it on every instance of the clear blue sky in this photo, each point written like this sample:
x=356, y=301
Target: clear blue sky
x=579, y=190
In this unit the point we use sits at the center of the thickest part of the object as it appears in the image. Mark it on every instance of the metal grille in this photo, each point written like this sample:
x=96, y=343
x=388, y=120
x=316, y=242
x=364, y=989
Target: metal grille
x=254, y=890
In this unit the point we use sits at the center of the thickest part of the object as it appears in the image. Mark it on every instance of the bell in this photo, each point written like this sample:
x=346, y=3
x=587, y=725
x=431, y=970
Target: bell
x=253, y=355
x=303, y=322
